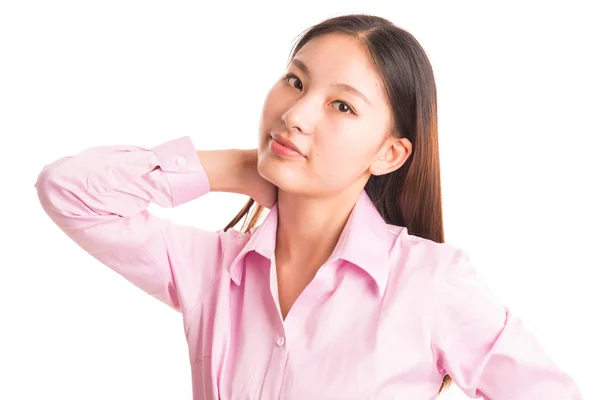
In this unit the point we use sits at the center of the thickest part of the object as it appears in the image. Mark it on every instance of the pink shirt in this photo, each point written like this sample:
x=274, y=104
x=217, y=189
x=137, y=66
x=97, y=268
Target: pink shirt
x=384, y=318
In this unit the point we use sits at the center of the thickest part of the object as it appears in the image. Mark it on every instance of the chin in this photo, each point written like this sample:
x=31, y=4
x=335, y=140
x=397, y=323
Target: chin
x=286, y=177
x=272, y=170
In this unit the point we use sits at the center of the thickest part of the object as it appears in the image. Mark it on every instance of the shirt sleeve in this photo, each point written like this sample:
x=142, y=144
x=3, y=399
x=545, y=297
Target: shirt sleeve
x=485, y=348
x=99, y=198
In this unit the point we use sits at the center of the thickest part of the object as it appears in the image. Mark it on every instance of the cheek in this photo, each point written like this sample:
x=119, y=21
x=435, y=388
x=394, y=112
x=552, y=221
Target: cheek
x=338, y=165
x=343, y=153
x=273, y=106
x=267, y=119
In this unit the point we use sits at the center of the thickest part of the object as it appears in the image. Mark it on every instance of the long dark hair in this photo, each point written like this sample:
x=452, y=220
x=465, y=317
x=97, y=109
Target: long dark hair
x=410, y=196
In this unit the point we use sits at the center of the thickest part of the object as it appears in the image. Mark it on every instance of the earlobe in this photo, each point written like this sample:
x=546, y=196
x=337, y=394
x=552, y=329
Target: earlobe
x=379, y=167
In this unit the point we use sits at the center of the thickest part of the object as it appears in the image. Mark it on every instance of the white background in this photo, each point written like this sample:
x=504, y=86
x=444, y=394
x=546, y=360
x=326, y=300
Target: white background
x=518, y=105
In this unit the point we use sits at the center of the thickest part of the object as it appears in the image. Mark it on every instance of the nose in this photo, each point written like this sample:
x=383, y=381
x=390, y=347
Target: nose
x=300, y=116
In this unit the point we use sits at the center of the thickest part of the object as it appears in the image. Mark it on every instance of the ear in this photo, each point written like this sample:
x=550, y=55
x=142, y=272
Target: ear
x=392, y=155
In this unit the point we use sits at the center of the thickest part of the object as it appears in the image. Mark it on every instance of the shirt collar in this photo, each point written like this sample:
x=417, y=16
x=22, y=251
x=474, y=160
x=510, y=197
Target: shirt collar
x=364, y=242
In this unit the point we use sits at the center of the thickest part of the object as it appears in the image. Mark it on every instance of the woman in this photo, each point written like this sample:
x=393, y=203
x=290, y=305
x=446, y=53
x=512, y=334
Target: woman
x=346, y=290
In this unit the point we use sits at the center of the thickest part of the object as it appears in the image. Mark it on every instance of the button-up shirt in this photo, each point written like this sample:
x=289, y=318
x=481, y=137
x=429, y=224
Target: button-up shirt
x=386, y=317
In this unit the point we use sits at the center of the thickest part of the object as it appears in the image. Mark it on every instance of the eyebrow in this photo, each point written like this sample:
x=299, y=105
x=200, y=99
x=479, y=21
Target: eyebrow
x=301, y=66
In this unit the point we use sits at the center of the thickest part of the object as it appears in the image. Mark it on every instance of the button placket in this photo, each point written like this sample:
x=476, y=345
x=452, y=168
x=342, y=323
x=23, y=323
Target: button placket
x=276, y=370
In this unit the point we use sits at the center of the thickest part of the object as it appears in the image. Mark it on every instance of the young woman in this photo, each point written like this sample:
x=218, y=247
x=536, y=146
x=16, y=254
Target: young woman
x=346, y=289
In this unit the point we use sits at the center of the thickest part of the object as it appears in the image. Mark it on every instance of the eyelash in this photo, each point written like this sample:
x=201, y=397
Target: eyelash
x=288, y=76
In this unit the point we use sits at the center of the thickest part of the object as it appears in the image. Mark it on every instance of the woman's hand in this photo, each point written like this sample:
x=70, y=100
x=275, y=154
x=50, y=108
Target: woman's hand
x=236, y=171
x=260, y=189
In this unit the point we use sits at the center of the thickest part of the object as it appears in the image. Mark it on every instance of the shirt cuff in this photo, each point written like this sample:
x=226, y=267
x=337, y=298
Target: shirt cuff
x=181, y=165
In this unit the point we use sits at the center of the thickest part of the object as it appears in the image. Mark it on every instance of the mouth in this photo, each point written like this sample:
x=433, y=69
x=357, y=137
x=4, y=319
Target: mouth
x=285, y=147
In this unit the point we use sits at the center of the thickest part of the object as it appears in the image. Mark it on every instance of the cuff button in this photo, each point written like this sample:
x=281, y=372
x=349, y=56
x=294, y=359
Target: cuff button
x=181, y=161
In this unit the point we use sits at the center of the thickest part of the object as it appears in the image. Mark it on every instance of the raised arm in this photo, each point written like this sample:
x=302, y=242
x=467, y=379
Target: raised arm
x=99, y=198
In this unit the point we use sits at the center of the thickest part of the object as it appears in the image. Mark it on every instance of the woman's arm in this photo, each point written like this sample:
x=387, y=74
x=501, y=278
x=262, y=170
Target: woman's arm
x=485, y=348
x=100, y=196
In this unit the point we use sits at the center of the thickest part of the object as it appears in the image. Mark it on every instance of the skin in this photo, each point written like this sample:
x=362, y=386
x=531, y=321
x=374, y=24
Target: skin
x=345, y=139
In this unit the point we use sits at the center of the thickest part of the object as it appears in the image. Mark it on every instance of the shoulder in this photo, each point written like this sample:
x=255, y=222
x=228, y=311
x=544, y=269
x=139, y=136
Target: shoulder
x=411, y=254
x=425, y=267
x=445, y=274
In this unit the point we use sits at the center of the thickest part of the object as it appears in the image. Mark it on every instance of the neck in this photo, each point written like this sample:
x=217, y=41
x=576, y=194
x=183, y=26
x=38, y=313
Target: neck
x=309, y=228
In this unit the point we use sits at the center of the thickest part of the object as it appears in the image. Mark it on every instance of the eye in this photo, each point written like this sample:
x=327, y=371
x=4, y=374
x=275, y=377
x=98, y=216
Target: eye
x=287, y=79
x=345, y=107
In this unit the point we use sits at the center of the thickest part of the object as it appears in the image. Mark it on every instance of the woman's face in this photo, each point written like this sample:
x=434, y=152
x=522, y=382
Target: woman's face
x=331, y=105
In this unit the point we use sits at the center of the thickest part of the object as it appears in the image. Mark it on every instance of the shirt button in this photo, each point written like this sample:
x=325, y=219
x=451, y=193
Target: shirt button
x=280, y=341
x=180, y=161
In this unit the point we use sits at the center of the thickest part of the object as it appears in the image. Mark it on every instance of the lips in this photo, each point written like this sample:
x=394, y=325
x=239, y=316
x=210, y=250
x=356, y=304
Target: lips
x=288, y=143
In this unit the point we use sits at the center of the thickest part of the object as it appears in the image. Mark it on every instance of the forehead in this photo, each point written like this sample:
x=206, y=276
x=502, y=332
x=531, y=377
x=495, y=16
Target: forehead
x=338, y=58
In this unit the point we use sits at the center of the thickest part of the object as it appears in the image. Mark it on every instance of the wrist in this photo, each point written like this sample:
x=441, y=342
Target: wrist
x=228, y=170
x=246, y=172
